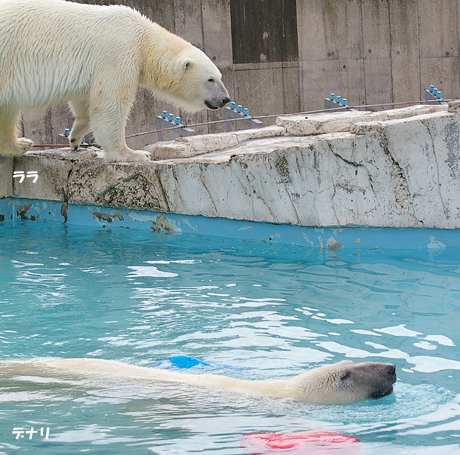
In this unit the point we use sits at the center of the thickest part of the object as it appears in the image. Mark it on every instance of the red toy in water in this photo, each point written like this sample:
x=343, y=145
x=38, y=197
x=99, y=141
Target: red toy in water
x=308, y=443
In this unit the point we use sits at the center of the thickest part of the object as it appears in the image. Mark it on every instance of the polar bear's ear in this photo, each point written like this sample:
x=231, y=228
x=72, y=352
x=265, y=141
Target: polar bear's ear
x=184, y=64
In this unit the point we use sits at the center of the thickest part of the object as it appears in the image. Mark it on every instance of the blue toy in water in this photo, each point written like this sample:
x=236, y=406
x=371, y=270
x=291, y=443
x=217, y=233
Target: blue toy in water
x=187, y=362
x=184, y=361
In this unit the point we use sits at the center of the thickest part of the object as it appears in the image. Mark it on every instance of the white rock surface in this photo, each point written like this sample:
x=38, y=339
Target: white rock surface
x=397, y=168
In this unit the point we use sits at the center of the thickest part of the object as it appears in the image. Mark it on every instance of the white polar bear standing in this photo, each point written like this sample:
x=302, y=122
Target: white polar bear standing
x=54, y=51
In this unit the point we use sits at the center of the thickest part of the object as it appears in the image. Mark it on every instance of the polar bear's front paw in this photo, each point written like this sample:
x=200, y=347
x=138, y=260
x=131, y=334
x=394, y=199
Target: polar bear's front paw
x=75, y=140
x=74, y=143
x=140, y=155
x=128, y=156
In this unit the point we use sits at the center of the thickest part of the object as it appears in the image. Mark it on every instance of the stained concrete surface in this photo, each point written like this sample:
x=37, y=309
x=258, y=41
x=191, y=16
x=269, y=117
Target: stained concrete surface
x=394, y=168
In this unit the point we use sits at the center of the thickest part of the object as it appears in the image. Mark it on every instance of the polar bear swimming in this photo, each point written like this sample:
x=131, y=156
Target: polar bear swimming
x=340, y=383
x=54, y=51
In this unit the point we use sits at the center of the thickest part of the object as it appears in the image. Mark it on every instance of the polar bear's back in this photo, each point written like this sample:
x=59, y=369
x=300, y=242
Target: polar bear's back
x=50, y=49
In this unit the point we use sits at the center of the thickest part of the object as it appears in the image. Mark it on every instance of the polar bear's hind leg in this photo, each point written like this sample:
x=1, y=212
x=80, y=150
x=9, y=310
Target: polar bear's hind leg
x=10, y=145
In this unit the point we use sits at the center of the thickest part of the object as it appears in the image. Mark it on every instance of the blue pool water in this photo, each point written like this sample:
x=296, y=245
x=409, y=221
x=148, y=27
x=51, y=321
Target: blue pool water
x=257, y=309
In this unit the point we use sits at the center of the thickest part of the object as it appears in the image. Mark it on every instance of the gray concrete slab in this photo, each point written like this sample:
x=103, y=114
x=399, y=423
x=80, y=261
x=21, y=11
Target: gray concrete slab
x=394, y=168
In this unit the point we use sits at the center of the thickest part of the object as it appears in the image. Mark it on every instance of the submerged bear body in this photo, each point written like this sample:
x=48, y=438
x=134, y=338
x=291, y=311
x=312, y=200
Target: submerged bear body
x=340, y=383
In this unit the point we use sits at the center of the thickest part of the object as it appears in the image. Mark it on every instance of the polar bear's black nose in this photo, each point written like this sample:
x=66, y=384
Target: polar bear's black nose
x=391, y=369
x=225, y=101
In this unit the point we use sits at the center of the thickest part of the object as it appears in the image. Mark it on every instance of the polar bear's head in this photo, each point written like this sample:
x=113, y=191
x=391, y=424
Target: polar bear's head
x=184, y=75
x=199, y=82
x=179, y=72
x=344, y=382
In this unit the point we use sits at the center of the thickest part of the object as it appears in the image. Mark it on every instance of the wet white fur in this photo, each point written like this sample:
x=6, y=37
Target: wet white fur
x=339, y=383
x=54, y=51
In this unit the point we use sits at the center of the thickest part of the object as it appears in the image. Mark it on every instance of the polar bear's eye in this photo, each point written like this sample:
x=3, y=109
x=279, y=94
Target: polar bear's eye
x=345, y=375
x=211, y=79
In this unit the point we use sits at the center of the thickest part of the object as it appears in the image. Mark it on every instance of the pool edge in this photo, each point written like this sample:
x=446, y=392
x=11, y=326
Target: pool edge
x=332, y=239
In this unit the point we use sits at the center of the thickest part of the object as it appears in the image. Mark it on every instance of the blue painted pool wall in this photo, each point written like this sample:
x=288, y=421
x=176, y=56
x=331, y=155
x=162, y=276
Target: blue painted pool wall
x=39, y=211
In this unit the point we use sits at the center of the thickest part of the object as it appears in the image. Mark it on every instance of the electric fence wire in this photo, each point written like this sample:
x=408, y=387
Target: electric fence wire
x=258, y=117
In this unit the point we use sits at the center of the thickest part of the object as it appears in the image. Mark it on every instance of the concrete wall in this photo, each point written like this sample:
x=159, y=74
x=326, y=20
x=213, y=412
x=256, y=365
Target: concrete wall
x=391, y=168
x=369, y=51
x=378, y=51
